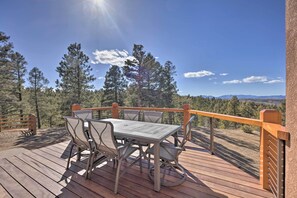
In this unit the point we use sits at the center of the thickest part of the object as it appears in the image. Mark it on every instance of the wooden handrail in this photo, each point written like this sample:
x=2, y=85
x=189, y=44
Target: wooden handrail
x=97, y=108
x=18, y=121
x=276, y=130
x=176, y=110
x=242, y=120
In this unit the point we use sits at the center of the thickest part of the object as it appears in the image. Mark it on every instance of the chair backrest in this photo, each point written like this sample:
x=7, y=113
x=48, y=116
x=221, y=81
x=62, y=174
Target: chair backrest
x=102, y=134
x=75, y=127
x=83, y=114
x=153, y=116
x=131, y=115
x=187, y=132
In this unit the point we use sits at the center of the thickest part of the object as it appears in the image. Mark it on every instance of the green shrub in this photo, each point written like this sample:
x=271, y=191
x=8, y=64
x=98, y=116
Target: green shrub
x=247, y=129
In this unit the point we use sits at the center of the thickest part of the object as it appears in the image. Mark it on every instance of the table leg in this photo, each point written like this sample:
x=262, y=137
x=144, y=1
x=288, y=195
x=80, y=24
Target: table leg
x=157, y=182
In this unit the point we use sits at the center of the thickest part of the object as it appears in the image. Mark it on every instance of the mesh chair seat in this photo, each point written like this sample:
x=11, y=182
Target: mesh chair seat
x=79, y=138
x=131, y=115
x=168, y=151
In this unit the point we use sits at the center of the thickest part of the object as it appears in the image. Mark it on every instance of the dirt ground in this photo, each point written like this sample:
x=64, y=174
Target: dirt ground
x=235, y=146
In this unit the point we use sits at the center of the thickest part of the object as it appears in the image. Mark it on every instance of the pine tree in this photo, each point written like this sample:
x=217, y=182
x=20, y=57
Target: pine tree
x=37, y=82
x=151, y=80
x=8, y=99
x=19, y=66
x=114, y=86
x=143, y=73
x=133, y=70
x=167, y=87
x=75, y=74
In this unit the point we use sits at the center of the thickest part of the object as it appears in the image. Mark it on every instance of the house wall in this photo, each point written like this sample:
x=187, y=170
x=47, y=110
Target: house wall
x=291, y=96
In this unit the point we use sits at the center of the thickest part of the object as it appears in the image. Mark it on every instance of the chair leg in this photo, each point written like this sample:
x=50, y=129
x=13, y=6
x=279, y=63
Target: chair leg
x=88, y=165
x=70, y=154
x=117, y=176
x=79, y=153
x=140, y=157
x=91, y=166
x=149, y=158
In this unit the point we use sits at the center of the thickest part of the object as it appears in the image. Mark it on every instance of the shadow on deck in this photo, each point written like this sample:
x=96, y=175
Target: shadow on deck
x=41, y=172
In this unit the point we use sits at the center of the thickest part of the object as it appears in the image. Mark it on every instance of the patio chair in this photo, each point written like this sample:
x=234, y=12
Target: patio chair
x=83, y=114
x=79, y=138
x=131, y=115
x=169, y=158
x=154, y=117
x=102, y=134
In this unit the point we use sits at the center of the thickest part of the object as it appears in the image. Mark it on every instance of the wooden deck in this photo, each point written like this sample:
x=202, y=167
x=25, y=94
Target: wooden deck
x=41, y=173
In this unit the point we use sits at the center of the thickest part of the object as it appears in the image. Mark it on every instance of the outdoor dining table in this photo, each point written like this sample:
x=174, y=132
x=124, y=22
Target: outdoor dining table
x=147, y=132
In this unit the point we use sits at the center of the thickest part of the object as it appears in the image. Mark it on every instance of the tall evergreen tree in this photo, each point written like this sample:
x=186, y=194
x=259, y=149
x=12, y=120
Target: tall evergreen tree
x=37, y=82
x=19, y=66
x=167, y=86
x=151, y=81
x=75, y=76
x=134, y=71
x=114, y=86
x=143, y=72
x=8, y=99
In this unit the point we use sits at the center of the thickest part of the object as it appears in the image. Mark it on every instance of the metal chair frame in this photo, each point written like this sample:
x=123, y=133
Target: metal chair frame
x=79, y=138
x=105, y=144
x=169, y=157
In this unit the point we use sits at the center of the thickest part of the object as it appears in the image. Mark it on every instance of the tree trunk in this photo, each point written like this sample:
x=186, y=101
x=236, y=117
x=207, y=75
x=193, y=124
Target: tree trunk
x=36, y=105
x=37, y=111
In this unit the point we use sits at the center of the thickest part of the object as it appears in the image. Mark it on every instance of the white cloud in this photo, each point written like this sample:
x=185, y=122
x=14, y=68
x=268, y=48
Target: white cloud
x=223, y=74
x=111, y=57
x=254, y=79
x=273, y=81
x=100, y=78
x=198, y=74
x=232, y=82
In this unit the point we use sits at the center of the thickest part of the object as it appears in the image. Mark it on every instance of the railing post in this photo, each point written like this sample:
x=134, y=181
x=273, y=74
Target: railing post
x=271, y=116
x=115, y=110
x=32, y=123
x=75, y=107
x=187, y=116
x=280, y=168
x=211, y=139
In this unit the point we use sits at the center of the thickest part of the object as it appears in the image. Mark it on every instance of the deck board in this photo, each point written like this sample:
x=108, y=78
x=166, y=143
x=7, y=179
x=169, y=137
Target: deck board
x=41, y=173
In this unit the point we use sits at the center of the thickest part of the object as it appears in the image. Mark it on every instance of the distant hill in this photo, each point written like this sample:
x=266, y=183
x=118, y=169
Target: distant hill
x=244, y=97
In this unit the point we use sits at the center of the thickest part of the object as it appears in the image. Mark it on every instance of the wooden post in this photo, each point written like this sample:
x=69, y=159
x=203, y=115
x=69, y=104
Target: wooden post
x=115, y=110
x=280, y=168
x=271, y=116
x=211, y=138
x=32, y=123
x=187, y=116
x=75, y=107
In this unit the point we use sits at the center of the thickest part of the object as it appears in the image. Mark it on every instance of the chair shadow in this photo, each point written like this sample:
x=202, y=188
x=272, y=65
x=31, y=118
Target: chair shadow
x=132, y=184
x=200, y=136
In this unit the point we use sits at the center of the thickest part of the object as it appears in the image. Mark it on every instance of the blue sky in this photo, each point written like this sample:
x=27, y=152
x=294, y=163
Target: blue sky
x=218, y=46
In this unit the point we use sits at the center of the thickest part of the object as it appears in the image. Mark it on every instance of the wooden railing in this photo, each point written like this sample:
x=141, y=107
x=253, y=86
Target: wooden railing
x=272, y=139
x=17, y=121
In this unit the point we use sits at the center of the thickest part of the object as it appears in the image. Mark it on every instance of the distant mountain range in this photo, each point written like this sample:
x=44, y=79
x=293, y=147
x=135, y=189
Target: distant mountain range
x=274, y=97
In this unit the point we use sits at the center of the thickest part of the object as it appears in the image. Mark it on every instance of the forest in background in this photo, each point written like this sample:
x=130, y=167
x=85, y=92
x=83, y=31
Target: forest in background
x=142, y=82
